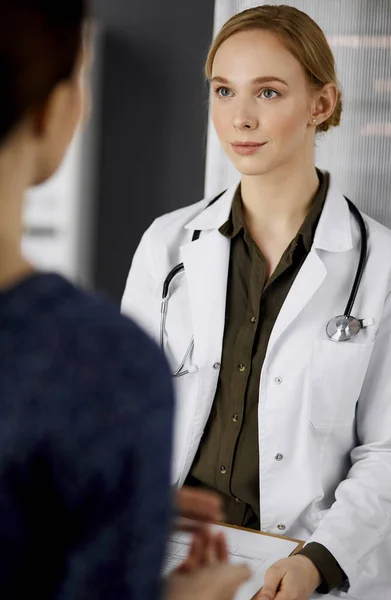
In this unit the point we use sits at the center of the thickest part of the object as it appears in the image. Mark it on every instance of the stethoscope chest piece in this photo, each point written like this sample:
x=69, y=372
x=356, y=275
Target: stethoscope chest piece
x=343, y=328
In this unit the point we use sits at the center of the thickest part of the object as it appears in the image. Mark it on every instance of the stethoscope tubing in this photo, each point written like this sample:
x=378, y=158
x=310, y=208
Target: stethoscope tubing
x=349, y=306
x=362, y=259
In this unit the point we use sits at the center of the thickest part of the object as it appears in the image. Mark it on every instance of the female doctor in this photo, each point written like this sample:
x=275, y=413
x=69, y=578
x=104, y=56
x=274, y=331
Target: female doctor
x=282, y=408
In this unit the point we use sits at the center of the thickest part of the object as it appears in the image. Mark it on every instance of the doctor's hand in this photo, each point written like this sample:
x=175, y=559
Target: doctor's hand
x=293, y=578
x=215, y=582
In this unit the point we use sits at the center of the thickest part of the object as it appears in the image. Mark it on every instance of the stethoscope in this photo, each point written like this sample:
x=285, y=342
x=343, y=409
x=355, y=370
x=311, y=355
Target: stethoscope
x=342, y=328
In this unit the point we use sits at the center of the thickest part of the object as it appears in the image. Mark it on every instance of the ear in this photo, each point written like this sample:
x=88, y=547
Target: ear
x=51, y=110
x=324, y=101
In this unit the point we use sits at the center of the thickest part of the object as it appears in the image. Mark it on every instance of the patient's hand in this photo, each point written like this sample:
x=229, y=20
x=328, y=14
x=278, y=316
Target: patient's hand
x=215, y=582
x=201, y=505
x=207, y=548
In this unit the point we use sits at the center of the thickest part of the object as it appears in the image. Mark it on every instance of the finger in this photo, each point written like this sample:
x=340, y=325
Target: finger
x=216, y=550
x=204, y=553
x=199, y=504
x=190, y=526
x=271, y=584
x=195, y=558
x=210, y=553
x=221, y=548
x=218, y=582
x=199, y=507
x=226, y=580
x=196, y=553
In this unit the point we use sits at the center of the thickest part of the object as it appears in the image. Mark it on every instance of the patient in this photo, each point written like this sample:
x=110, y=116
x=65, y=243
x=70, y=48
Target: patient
x=85, y=431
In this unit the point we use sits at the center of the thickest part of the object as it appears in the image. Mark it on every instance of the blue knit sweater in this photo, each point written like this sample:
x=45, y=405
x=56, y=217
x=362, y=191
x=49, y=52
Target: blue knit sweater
x=85, y=441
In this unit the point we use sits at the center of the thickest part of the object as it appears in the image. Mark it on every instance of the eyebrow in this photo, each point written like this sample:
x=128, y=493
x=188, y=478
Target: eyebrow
x=264, y=79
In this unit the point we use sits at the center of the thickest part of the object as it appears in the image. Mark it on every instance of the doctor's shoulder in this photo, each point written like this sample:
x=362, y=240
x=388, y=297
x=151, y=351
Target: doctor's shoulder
x=379, y=247
x=170, y=227
x=157, y=253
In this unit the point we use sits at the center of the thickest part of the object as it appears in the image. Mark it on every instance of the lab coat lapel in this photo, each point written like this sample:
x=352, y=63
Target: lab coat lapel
x=334, y=235
x=206, y=266
x=307, y=282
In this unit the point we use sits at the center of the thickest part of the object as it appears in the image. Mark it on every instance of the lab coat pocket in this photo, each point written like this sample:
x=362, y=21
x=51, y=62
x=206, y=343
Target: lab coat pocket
x=338, y=373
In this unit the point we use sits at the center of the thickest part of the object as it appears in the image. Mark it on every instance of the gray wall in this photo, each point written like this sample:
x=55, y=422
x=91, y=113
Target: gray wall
x=152, y=119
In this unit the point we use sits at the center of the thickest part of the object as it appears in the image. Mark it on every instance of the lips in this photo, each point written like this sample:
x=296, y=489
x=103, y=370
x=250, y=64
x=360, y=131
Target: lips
x=246, y=148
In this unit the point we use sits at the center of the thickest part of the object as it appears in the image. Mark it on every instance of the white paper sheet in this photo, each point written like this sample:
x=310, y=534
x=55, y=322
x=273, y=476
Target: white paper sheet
x=245, y=547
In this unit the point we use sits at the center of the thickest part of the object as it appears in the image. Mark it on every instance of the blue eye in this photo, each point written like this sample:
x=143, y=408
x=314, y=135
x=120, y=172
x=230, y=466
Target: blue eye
x=269, y=94
x=223, y=92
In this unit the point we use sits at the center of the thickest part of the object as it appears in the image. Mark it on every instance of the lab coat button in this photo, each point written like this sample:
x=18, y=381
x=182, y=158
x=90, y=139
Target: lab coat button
x=241, y=368
x=235, y=418
x=216, y=366
x=279, y=456
x=223, y=470
x=281, y=527
x=253, y=319
x=278, y=380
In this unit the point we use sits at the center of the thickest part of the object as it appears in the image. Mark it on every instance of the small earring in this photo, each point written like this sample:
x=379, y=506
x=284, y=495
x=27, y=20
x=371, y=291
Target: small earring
x=314, y=120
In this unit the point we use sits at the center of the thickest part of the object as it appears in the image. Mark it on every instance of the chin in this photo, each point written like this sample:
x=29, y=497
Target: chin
x=254, y=166
x=254, y=169
x=252, y=172
x=46, y=173
x=250, y=165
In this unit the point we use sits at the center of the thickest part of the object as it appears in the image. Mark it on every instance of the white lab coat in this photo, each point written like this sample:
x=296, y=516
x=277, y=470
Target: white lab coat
x=325, y=406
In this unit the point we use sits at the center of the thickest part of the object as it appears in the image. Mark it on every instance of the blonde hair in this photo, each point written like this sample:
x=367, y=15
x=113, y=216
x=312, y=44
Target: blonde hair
x=299, y=34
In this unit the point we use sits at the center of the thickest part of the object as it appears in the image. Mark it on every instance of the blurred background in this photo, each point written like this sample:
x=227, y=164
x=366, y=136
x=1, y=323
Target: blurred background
x=150, y=148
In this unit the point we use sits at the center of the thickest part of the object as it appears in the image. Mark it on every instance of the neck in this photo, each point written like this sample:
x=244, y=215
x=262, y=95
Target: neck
x=279, y=201
x=13, y=182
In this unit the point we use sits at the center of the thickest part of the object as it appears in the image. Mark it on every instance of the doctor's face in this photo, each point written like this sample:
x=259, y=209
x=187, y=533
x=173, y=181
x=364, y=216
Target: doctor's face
x=260, y=96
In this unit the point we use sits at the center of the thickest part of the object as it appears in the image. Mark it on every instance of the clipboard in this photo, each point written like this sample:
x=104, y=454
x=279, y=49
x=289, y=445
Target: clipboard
x=257, y=549
x=300, y=543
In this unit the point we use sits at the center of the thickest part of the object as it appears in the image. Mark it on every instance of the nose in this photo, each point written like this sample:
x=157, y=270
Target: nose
x=244, y=119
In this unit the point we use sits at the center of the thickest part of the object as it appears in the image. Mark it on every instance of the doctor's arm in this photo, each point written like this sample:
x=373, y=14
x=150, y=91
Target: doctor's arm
x=360, y=518
x=141, y=296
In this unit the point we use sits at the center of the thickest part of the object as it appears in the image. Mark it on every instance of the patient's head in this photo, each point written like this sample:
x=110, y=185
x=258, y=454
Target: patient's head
x=42, y=73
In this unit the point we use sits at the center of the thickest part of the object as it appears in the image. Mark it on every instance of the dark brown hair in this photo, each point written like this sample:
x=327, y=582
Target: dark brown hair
x=40, y=41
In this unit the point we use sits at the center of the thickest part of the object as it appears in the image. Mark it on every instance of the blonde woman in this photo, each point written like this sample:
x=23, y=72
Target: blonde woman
x=275, y=316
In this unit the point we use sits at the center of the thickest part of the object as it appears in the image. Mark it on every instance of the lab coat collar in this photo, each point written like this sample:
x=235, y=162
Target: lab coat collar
x=334, y=228
x=214, y=216
x=332, y=234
